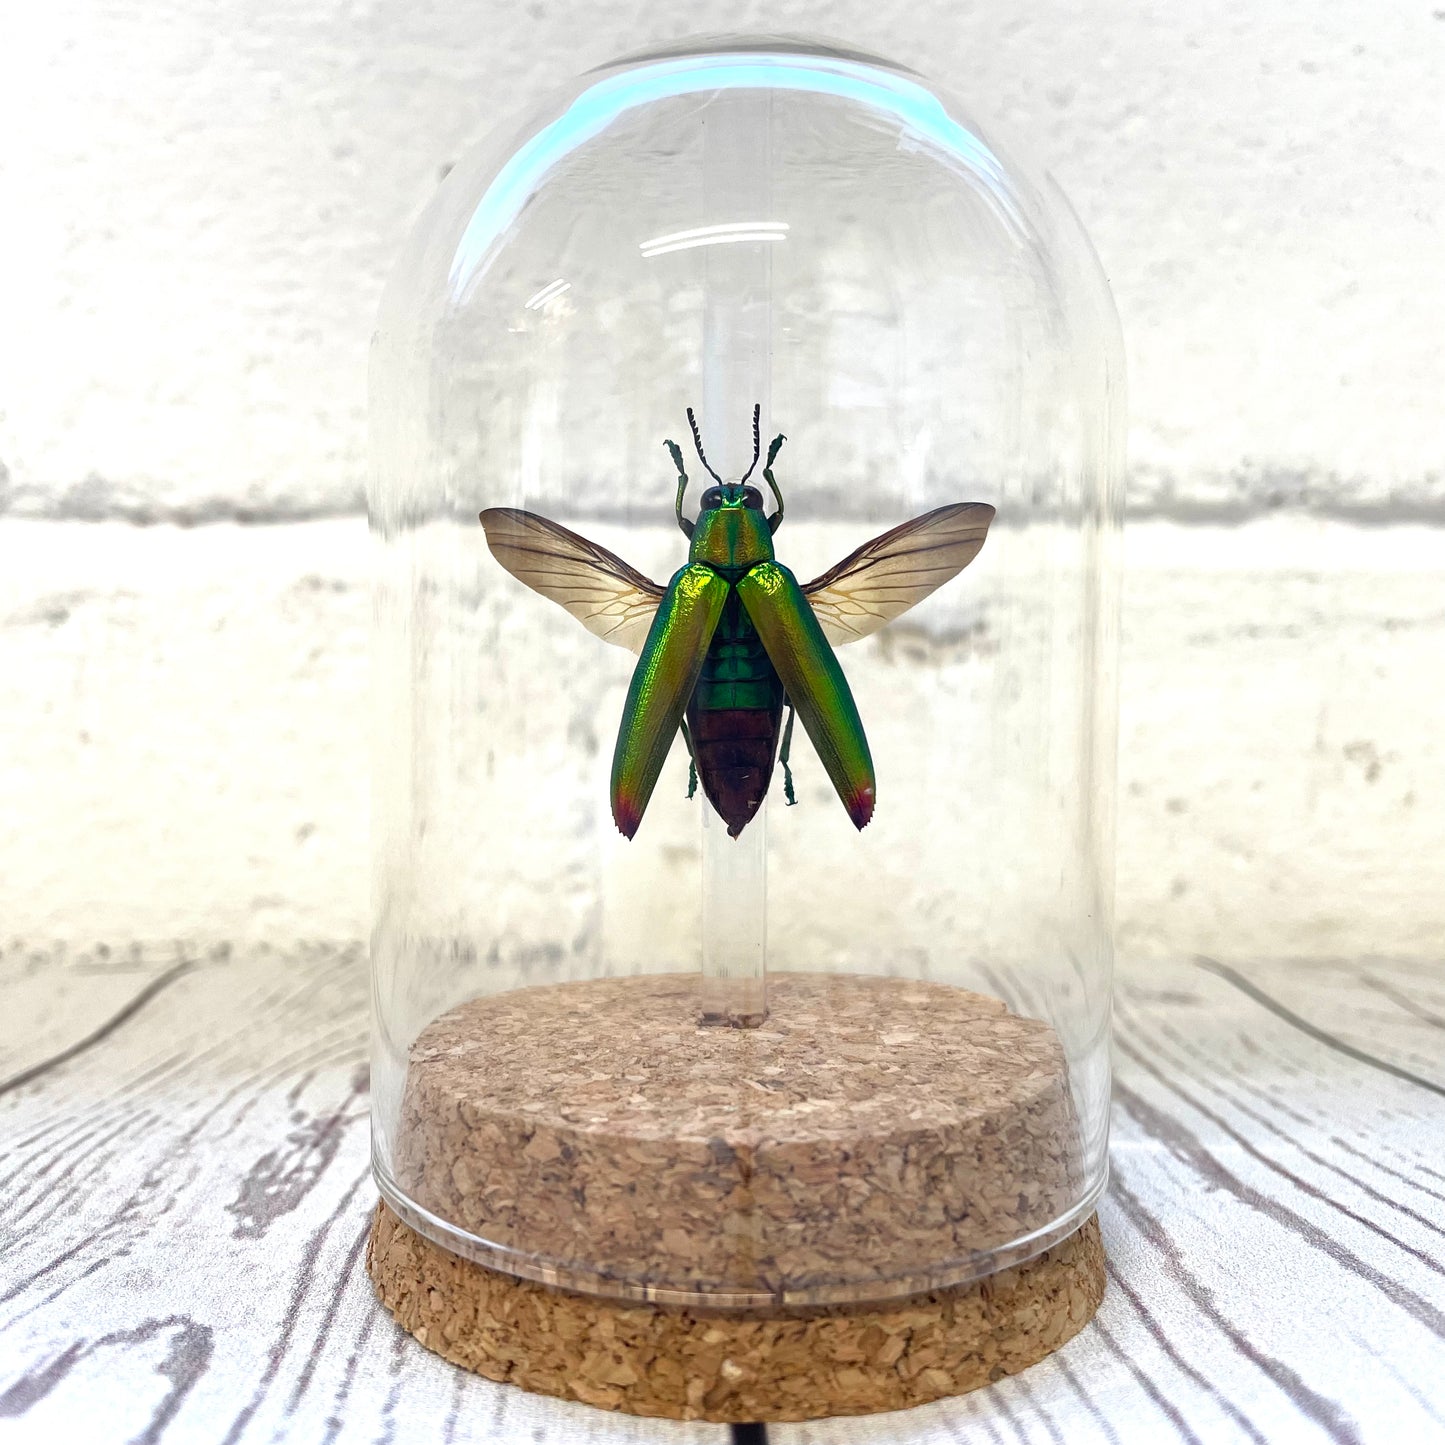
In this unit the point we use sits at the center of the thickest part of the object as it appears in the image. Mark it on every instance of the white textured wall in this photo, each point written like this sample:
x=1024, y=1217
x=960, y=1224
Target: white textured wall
x=198, y=206
x=202, y=200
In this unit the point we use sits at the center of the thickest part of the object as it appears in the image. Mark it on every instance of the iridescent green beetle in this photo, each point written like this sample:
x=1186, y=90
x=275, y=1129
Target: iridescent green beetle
x=733, y=639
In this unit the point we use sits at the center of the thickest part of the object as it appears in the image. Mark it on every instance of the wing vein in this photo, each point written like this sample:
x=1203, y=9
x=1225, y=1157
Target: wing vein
x=886, y=576
x=611, y=599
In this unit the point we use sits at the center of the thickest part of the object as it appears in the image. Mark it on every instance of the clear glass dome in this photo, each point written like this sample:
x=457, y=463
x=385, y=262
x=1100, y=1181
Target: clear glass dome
x=557, y=1092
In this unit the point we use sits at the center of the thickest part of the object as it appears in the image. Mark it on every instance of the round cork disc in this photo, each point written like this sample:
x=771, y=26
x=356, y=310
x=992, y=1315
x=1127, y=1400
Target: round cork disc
x=872, y=1139
x=701, y=1365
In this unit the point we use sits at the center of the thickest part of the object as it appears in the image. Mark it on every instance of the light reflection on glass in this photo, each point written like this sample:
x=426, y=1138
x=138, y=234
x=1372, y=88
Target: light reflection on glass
x=550, y=292
x=915, y=109
x=715, y=236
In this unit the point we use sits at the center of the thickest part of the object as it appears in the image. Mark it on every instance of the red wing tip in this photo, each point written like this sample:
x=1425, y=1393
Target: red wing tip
x=627, y=817
x=860, y=809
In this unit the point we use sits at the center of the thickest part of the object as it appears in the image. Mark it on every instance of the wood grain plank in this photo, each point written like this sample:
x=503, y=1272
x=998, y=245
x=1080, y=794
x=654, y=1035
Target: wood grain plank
x=1331, y=1040
x=184, y=1161
x=198, y=1188
x=1259, y=1271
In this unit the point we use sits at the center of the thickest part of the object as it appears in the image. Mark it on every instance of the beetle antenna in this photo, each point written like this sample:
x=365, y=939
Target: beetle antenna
x=697, y=442
x=757, y=440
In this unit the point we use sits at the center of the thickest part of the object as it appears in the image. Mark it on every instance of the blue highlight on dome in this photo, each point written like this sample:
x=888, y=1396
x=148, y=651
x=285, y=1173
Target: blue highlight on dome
x=916, y=109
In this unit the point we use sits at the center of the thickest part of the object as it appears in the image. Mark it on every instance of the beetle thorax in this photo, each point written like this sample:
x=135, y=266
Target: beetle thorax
x=732, y=538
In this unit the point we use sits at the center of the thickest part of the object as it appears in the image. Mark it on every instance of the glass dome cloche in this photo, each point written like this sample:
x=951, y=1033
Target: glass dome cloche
x=747, y=452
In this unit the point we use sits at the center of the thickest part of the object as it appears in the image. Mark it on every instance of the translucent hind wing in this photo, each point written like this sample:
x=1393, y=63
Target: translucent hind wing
x=893, y=572
x=610, y=599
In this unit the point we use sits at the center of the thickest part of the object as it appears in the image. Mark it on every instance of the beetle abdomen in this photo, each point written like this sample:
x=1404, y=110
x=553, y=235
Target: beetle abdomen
x=734, y=750
x=734, y=715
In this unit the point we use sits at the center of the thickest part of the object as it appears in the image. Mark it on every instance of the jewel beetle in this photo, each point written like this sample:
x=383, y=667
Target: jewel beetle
x=733, y=640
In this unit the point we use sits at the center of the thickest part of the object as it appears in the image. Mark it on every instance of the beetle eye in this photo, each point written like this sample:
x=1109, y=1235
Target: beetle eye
x=753, y=498
x=712, y=499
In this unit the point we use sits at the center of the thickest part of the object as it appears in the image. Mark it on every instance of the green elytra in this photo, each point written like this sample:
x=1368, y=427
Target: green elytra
x=733, y=639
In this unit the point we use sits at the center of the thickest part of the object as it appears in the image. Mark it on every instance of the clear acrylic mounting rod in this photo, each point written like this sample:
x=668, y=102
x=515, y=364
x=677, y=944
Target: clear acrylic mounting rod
x=736, y=375
x=734, y=921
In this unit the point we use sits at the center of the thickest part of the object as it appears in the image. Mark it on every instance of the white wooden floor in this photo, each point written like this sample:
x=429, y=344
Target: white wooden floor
x=184, y=1196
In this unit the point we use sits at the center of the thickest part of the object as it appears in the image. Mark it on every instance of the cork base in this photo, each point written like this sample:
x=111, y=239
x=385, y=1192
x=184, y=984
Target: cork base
x=685, y=1364
x=875, y=1138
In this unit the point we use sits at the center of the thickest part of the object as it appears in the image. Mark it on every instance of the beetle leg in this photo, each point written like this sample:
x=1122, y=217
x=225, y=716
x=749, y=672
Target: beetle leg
x=687, y=527
x=691, y=763
x=783, y=755
x=776, y=520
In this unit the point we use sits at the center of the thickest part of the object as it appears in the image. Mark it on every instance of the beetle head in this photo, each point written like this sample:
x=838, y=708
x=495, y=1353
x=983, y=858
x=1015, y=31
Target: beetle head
x=732, y=494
